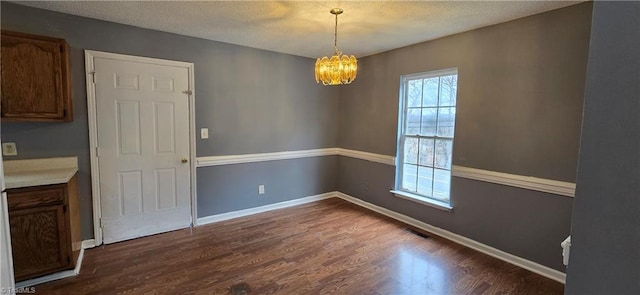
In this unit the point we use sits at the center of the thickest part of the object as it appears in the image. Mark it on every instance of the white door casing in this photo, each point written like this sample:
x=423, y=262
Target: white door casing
x=144, y=145
x=7, y=280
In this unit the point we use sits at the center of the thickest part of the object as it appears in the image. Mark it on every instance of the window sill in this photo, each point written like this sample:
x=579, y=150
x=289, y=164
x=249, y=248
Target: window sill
x=422, y=200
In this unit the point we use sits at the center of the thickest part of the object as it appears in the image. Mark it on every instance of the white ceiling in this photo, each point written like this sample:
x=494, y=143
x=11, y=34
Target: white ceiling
x=305, y=28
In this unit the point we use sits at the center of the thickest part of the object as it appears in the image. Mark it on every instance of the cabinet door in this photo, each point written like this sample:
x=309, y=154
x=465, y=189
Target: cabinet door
x=35, y=80
x=39, y=242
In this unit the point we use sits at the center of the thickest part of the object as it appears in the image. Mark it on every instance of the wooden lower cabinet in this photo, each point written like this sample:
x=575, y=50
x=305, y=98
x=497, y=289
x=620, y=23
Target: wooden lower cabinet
x=45, y=236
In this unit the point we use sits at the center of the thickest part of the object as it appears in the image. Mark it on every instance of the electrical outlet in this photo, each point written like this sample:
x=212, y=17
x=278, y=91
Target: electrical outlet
x=261, y=189
x=204, y=133
x=9, y=149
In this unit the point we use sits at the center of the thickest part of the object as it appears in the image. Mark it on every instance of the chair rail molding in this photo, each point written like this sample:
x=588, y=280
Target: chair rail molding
x=561, y=188
x=262, y=157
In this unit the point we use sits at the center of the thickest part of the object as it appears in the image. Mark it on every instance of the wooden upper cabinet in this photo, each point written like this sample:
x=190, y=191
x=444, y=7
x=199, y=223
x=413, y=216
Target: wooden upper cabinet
x=36, y=84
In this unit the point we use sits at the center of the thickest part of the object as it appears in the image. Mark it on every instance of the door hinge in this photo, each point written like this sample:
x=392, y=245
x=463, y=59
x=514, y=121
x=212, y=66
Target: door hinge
x=97, y=152
x=64, y=209
x=187, y=92
x=93, y=77
x=100, y=222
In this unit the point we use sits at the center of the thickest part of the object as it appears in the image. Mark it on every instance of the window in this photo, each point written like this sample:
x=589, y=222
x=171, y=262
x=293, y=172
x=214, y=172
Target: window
x=425, y=136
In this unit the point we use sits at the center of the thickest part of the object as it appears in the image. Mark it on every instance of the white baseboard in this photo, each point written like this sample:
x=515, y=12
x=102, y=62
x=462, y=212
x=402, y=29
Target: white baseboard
x=76, y=270
x=46, y=279
x=504, y=256
x=251, y=211
x=480, y=247
x=88, y=244
x=58, y=275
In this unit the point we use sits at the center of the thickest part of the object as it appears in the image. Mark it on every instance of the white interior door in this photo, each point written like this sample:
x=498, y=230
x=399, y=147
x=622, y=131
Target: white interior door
x=143, y=148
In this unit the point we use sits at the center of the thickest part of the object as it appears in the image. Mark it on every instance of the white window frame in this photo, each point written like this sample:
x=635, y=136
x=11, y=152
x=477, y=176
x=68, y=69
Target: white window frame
x=402, y=110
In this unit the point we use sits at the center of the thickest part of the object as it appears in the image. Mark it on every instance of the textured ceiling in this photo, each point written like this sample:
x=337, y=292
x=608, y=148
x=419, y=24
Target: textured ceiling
x=305, y=28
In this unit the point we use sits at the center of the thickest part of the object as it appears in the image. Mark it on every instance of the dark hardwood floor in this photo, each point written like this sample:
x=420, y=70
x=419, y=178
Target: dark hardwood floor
x=326, y=247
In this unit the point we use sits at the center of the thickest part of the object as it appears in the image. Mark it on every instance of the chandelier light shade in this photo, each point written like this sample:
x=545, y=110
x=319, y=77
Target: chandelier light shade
x=339, y=69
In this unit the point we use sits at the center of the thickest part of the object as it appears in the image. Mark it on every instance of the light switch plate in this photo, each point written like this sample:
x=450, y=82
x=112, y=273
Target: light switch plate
x=9, y=149
x=204, y=133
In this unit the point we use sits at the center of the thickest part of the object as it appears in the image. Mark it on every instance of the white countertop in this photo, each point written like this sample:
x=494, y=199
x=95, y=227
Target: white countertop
x=34, y=172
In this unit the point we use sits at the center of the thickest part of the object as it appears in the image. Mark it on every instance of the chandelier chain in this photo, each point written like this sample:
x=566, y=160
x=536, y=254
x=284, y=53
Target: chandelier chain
x=335, y=36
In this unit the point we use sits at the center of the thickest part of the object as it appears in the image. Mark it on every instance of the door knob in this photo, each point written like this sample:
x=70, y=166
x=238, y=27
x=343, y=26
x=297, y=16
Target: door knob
x=184, y=160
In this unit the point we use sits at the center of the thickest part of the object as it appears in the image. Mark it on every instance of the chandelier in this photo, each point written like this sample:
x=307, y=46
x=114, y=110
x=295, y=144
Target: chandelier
x=339, y=69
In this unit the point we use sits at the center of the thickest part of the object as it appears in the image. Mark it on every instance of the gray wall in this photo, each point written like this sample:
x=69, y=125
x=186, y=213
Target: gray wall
x=605, y=229
x=520, y=96
x=525, y=223
x=252, y=100
x=520, y=102
x=317, y=175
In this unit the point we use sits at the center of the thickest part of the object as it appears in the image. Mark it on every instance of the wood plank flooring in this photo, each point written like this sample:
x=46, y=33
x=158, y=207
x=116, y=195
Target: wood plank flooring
x=326, y=247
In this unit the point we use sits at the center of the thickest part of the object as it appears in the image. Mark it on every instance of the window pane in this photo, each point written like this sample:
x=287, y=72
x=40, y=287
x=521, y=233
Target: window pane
x=411, y=150
x=409, y=174
x=430, y=92
x=429, y=118
x=443, y=153
x=414, y=93
x=425, y=181
x=428, y=126
x=441, y=184
x=413, y=121
x=446, y=121
x=448, y=90
x=426, y=152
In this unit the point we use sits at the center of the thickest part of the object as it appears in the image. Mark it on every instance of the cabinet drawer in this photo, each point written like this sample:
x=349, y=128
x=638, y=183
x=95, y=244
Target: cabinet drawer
x=35, y=196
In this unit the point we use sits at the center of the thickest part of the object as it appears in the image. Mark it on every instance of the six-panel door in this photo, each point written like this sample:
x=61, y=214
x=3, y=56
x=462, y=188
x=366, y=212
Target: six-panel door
x=143, y=136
